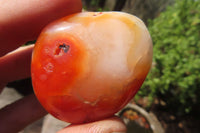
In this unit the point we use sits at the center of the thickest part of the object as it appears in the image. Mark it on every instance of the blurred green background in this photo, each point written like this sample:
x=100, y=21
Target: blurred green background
x=171, y=89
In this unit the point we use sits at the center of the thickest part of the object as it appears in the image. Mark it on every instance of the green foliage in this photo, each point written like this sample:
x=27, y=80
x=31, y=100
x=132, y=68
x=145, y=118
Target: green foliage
x=94, y=5
x=94, y=2
x=175, y=74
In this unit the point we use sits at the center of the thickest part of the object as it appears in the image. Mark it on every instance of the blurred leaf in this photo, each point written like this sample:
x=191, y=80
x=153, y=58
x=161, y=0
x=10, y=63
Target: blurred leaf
x=175, y=77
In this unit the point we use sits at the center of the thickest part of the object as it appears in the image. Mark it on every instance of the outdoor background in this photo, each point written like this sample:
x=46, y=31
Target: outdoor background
x=171, y=89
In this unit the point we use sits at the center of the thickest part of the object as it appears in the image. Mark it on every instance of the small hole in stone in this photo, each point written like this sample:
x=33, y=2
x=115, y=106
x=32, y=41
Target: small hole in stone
x=96, y=14
x=62, y=48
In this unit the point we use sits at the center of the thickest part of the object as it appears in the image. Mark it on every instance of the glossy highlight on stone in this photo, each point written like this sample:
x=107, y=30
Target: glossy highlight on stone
x=87, y=66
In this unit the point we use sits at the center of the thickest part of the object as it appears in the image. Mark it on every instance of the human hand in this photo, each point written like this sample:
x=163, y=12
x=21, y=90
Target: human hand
x=21, y=21
x=110, y=125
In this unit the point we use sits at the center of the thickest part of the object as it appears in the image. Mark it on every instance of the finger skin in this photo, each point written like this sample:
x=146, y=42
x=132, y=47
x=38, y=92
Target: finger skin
x=16, y=116
x=16, y=65
x=109, y=125
x=2, y=85
x=22, y=21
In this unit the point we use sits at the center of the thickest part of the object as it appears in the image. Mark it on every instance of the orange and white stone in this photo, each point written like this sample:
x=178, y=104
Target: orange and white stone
x=107, y=58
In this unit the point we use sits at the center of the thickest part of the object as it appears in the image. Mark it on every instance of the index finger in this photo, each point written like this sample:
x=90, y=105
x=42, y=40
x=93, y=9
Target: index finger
x=22, y=21
x=109, y=125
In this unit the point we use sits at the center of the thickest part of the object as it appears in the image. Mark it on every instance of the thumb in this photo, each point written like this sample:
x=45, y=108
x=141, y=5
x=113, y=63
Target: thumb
x=111, y=125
